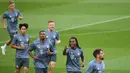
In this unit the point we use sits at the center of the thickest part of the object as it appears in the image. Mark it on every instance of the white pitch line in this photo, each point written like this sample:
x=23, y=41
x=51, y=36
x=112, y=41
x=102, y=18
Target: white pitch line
x=101, y=32
x=96, y=23
x=91, y=24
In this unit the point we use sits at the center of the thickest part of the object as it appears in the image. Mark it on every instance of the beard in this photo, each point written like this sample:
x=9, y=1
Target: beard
x=102, y=58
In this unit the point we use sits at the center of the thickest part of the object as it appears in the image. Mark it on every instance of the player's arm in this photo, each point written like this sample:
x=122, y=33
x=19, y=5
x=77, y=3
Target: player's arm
x=82, y=58
x=65, y=50
x=16, y=47
x=90, y=68
x=20, y=17
x=13, y=43
x=57, y=39
x=31, y=48
x=3, y=21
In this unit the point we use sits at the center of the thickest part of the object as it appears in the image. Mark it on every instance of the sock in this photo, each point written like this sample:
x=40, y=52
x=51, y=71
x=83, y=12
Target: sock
x=5, y=45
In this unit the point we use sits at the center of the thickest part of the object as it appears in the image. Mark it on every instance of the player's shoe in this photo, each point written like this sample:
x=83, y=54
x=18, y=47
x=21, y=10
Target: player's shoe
x=3, y=48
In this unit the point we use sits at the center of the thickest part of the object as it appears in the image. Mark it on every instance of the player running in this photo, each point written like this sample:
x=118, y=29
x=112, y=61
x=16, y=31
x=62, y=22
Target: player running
x=97, y=66
x=20, y=42
x=53, y=36
x=42, y=50
x=73, y=53
x=12, y=16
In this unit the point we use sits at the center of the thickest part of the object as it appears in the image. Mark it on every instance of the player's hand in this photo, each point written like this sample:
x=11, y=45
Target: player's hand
x=4, y=26
x=57, y=41
x=21, y=47
x=20, y=17
x=82, y=64
x=49, y=52
x=35, y=57
x=65, y=47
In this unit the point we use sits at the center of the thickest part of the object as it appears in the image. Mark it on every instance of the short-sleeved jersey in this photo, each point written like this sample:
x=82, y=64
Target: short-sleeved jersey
x=40, y=49
x=12, y=20
x=20, y=40
x=73, y=59
x=95, y=67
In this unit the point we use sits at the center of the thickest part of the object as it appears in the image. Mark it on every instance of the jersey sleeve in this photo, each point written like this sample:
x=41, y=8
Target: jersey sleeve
x=32, y=47
x=19, y=14
x=82, y=54
x=57, y=36
x=5, y=15
x=90, y=68
x=14, y=40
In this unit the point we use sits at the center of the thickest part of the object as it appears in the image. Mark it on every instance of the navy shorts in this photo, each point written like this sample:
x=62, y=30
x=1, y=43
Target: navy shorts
x=52, y=58
x=74, y=72
x=22, y=62
x=41, y=70
x=11, y=34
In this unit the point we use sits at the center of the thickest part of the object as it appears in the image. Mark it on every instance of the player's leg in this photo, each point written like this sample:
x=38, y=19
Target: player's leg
x=77, y=72
x=38, y=70
x=45, y=70
x=3, y=48
x=17, y=71
x=18, y=62
x=25, y=69
x=69, y=72
x=52, y=64
x=25, y=64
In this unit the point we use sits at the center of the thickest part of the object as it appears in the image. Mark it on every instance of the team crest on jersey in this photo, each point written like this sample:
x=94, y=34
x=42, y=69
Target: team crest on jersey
x=78, y=54
x=27, y=39
x=46, y=36
x=10, y=16
x=38, y=46
x=54, y=36
x=20, y=39
x=16, y=14
x=47, y=46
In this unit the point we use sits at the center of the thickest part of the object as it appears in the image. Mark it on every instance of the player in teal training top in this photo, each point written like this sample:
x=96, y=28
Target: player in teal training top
x=53, y=36
x=20, y=42
x=97, y=66
x=74, y=53
x=42, y=48
x=12, y=17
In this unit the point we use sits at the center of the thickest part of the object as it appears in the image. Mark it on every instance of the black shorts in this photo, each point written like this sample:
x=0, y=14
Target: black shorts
x=74, y=72
x=41, y=70
x=22, y=62
x=52, y=57
x=12, y=35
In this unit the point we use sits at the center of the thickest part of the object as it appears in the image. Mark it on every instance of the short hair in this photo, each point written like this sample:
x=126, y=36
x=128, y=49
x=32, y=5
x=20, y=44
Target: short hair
x=42, y=31
x=50, y=21
x=11, y=2
x=96, y=52
x=24, y=24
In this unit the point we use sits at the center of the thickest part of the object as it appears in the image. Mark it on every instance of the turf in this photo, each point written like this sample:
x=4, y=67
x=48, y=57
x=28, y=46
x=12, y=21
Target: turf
x=96, y=24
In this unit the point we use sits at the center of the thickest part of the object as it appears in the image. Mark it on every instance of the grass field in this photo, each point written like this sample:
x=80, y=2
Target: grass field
x=96, y=23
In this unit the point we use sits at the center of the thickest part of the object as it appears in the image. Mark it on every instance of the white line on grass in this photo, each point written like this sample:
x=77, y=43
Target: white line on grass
x=101, y=32
x=91, y=24
x=96, y=23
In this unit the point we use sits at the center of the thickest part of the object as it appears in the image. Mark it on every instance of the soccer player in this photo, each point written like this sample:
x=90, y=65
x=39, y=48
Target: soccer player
x=97, y=66
x=12, y=17
x=74, y=53
x=53, y=36
x=20, y=42
x=42, y=49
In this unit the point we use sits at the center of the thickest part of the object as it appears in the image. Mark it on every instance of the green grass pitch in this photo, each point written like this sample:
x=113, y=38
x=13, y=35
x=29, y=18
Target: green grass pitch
x=96, y=23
